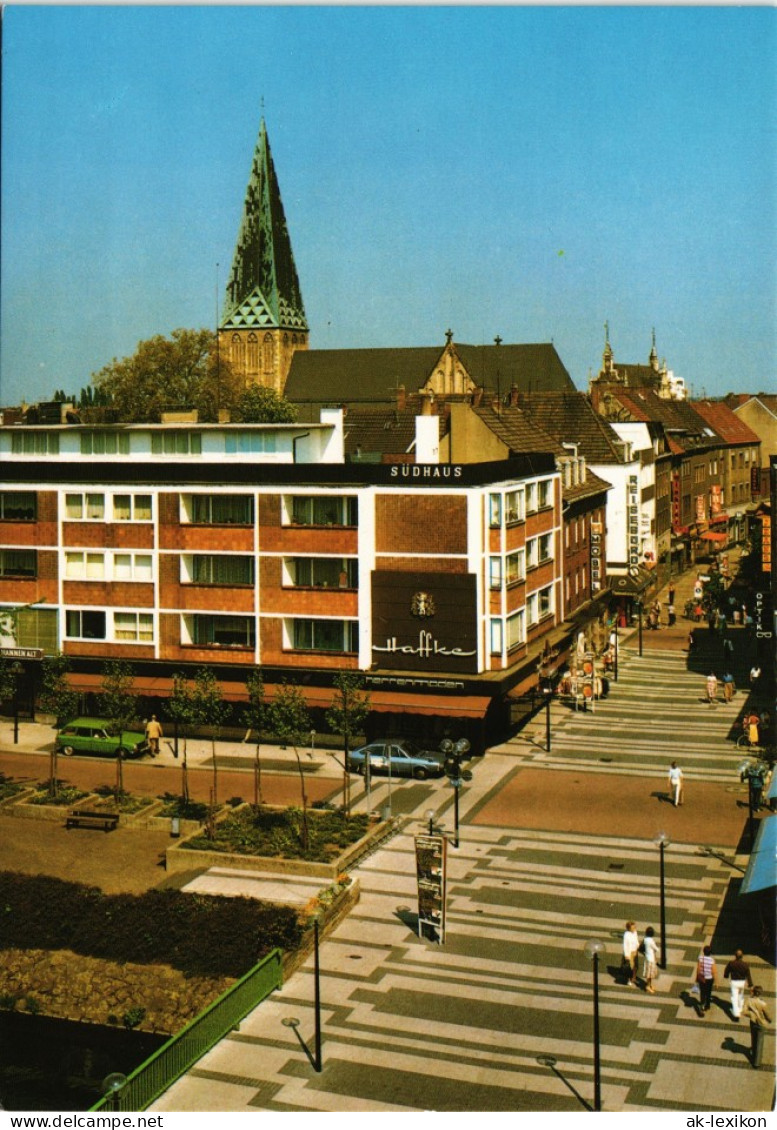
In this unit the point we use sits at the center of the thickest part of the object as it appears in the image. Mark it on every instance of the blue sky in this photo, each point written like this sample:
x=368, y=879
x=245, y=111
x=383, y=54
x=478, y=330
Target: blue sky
x=527, y=172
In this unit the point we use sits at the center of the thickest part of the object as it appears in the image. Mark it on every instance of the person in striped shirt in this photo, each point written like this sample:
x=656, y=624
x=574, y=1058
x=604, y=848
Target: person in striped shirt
x=706, y=973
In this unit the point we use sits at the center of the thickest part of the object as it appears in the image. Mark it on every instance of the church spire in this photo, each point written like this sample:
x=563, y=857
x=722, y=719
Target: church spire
x=264, y=319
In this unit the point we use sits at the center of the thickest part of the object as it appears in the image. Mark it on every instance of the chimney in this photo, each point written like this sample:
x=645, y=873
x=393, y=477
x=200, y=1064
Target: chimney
x=426, y=404
x=477, y=396
x=401, y=397
x=514, y=396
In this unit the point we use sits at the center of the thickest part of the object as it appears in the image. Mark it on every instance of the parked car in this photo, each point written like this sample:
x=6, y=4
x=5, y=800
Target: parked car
x=92, y=736
x=402, y=758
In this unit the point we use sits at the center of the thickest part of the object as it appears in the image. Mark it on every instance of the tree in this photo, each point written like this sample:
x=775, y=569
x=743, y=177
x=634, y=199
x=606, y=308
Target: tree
x=57, y=697
x=180, y=710
x=184, y=371
x=118, y=704
x=289, y=719
x=254, y=719
x=350, y=707
x=209, y=710
x=260, y=405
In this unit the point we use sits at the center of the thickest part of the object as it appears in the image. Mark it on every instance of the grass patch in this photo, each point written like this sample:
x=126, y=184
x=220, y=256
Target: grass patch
x=278, y=833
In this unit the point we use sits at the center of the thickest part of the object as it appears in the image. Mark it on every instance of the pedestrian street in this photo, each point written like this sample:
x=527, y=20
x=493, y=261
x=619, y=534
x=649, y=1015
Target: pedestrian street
x=656, y=712
x=409, y=1025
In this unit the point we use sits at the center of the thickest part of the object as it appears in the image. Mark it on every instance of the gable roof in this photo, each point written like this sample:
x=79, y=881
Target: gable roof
x=570, y=418
x=685, y=428
x=373, y=376
x=730, y=427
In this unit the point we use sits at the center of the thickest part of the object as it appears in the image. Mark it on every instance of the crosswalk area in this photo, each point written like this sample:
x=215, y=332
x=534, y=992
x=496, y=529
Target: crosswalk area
x=655, y=712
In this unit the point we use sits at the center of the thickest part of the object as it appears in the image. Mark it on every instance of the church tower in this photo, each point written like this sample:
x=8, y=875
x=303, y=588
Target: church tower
x=264, y=319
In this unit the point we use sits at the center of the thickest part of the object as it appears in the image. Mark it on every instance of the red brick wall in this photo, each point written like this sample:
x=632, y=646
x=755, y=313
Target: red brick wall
x=417, y=523
x=117, y=594
x=421, y=565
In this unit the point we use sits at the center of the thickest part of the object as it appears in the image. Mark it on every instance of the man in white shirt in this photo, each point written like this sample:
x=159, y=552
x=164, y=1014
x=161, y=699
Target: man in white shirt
x=676, y=784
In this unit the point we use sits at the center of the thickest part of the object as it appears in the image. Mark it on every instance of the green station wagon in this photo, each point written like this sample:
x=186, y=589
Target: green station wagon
x=91, y=736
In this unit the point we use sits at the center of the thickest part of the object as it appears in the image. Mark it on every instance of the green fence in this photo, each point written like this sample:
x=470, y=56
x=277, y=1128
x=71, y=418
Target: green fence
x=152, y=1078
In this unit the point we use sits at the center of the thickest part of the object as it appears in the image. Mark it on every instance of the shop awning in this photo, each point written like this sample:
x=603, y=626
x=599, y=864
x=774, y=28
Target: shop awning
x=384, y=702
x=761, y=873
x=713, y=535
x=461, y=706
x=632, y=583
x=721, y=516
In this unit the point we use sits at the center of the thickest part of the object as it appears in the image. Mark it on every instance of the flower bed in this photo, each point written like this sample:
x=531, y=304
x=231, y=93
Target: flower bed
x=270, y=839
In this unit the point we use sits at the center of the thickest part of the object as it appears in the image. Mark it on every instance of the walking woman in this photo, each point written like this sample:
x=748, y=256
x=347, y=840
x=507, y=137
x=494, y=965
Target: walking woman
x=650, y=951
x=706, y=972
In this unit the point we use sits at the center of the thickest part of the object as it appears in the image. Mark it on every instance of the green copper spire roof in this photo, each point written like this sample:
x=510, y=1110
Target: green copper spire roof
x=263, y=289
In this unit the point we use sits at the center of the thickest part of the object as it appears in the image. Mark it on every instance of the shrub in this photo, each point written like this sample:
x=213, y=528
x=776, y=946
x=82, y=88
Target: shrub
x=278, y=832
x=198, y=934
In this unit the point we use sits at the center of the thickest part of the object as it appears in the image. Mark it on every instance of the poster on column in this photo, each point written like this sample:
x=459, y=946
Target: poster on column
x=431, y=861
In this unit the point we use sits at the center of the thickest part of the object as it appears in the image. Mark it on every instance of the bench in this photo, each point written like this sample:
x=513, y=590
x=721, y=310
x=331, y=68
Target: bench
x=82, y=818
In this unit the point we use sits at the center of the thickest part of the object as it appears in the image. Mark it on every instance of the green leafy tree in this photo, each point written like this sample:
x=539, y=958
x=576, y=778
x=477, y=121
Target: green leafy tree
x=210, y=711
x=289, y=719
x=7, y=680
x=260, y=405
x=57, y=697
x=180, y=709
x=346, y=716
x=254, y=719
x=182, y=371
x=118, y=705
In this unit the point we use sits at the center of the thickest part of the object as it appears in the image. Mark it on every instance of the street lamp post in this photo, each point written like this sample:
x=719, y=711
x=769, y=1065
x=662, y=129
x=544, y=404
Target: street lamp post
x=593, y=949
x=615, y=650
x=663, y=842
x=754, y=775
x=547, y=690
x=639, y=611
x=317, y=997
x=113, y=1085
x=16, y=671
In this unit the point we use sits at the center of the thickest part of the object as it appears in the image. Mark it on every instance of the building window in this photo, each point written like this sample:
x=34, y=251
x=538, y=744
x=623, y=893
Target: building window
x=531, y=498
x=34, y=443
x=496, y=637
x=132, y=567
x=545, y=601
x=82, y=566
x=84, y=625
x=545, y=547
x=495, y=510
x=176, y=443
x=217, y=569
x=514, y=506
x=545, y=493
x=218, y=509
x=516, y=630
x=105, y=443
x=322, y=572
x=18, y=563
x=18, y=506
x=137, y=627
x=325, y=635
x=532, y=554
x=495, y=573
x=324, y=510
x=132, y=508
x=531, y=608
x=85, y=507
x=515, y=567
x=220, y=631
x=249, y=443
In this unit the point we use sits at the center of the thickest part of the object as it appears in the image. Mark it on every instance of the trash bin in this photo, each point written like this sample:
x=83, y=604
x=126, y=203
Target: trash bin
x=175, y=826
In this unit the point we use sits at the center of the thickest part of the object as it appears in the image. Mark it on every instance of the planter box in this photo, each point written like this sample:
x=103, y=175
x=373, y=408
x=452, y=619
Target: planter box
x=54, y=813
x=180, y=858
x=329, y=918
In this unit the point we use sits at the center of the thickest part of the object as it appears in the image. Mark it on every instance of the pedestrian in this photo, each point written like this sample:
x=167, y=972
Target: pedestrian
x=650, y=965
x=670, y=594
x=751, y=723
x=728, y=686
x=670, y=613
x=675, y=784
x=691, y=641
x=728, y=648
x=153, y=734
x=754, y=1009
x=706, y=973
x=712, y=688
x=755, y=675
x=630, y=951
x=738, y=973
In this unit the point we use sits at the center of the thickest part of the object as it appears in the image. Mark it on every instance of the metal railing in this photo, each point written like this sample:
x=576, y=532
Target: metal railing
x=152, y=1078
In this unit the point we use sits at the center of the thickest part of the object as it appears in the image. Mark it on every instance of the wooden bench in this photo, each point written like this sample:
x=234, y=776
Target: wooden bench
x=82, y=818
